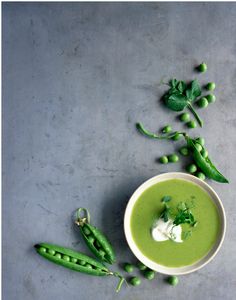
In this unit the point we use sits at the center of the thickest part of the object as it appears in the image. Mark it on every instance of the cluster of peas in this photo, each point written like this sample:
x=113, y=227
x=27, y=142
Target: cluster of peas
x=66, y=257
x=148, y=274
x=210, y=86
x=192, y=168
x=93, y=241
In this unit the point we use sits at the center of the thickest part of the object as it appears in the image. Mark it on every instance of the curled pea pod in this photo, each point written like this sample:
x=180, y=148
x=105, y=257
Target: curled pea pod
x=205, y=164
x=94, y=238
x=75, y=261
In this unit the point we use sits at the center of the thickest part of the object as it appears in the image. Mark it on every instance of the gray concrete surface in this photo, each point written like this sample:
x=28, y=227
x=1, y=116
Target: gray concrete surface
x=76, y=78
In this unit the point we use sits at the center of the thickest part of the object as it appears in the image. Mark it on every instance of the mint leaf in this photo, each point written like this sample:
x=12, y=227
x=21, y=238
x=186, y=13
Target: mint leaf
x=166, y=199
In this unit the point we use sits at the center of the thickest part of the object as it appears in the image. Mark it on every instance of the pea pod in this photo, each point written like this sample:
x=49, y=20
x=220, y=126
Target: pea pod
x=205, y=164
x=95, y=239
x=75, y=261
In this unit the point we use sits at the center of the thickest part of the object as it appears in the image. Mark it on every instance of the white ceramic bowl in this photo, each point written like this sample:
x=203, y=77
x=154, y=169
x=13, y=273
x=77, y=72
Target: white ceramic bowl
x=160, y=268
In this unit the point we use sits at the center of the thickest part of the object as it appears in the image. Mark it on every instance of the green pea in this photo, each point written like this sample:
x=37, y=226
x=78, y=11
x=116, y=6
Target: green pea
x=200, y=140
x=204, y=153
x=88, y=266
x=74, y=260
x=184, y=151
x=211, y=98
x=211, y=86
x=163, y=159
x=81, y=262
x=135, y=281
x=42, y=250
x=90, y=239
x=184, y=117
x=173, y=280
x=141, y=266
x=98, y=245
x=166, y=129
x=191, y=168
x=192, y=124
x=202, y=67
x=51, y=251
x=58, y=255
x=149, y=274
x=173, y=158
x=86, y=231
x=102, y=253
x=201, y=175
x=198, y=147
x=66, y=257
x=128, y=268
x=203, y=102
x=176, y=137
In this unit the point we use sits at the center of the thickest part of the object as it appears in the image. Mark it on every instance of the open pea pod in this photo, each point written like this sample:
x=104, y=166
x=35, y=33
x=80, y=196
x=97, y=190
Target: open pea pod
x=72, y=260
x=96, y=241
x=76, y=261
x=205, y=164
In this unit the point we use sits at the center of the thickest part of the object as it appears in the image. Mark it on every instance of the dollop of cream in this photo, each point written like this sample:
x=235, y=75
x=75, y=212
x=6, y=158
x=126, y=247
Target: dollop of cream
x=163, y=231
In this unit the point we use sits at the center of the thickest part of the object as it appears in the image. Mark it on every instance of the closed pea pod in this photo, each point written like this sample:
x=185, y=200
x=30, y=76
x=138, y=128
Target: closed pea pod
x=95, y=239
x=71, y=259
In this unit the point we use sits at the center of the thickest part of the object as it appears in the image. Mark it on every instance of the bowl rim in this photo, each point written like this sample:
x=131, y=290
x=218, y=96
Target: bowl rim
x=161, y=268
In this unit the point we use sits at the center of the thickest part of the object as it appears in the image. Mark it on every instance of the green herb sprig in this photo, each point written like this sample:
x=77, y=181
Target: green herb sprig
x=180, y=96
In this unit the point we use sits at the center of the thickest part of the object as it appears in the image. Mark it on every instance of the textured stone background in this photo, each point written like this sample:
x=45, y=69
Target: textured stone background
x=76, y=78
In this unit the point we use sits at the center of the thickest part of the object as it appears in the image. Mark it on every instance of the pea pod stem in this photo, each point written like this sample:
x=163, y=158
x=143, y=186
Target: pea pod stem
x=152, y=135
x=190, y=107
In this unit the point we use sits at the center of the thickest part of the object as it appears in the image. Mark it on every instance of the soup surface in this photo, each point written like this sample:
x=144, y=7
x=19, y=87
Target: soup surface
x=148, y=209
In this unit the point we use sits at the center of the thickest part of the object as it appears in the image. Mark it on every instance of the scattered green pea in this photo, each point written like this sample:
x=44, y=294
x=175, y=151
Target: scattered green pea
x=204, y=153
x=128, y=268
x=173, y=280
x=163, y=159
x=51, y=251
x=141, y=266
x=42, y=250
x=184, y=117
x=200, y=140
x=211, y=86
x=211, y=98
x=82, y=262
x=198, y=147
x=135, y=281
x=149, y=274
x=201, y=175
x=176, y=137
x=184, y=151
x=192, y=124
x=58, y=255
x=173, y=158
x=66, y=257
x=203, y=102
x=191, y=168
x=86, y=231
x=202, y=67
x=74, y=260
x=167, y=129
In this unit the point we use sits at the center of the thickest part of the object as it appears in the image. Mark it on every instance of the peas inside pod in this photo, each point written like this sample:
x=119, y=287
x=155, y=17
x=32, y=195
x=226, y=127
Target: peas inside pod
x=96, y=241
x=75, y=261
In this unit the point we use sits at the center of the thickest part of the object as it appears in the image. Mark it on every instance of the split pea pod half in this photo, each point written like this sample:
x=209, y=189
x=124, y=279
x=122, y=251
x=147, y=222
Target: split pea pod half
x=75, y=261
x=94, y=238
x=204, y=163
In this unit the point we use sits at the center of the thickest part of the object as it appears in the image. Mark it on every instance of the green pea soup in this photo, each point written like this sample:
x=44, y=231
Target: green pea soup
x=147, y=210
